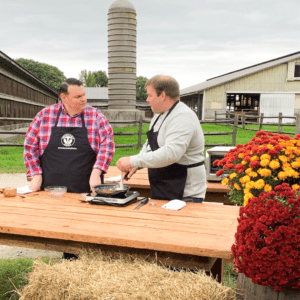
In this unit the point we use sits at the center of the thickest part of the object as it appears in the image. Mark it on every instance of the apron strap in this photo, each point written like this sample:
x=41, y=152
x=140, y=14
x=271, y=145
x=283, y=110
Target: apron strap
x=170, y=110
x=81, y=115
x=196, y=164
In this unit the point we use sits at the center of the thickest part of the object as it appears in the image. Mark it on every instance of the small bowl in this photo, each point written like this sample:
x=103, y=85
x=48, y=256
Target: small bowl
x=56, y=191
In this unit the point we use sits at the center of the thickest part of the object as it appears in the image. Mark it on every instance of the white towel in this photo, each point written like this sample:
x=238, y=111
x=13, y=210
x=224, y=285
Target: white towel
x=174, y=205
x=113, y=179
x=24, y=190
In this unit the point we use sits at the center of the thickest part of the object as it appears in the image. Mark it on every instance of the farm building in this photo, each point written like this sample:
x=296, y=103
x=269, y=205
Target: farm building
x=22, y=94
x=98, y=97
x=271, y=87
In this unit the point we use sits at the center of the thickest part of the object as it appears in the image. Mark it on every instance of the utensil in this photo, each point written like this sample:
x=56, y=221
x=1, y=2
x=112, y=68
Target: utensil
x=121, y=182
x=143, y=202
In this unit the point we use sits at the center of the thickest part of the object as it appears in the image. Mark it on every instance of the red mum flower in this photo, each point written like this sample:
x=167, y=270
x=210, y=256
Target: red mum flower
x=260, y=133
x=278, y=148
x=215, y=163
x=254, y=163
x=220, y=172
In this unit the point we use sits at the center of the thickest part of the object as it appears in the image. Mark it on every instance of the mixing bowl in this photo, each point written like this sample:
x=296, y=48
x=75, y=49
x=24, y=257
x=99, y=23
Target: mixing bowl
x=56, y=191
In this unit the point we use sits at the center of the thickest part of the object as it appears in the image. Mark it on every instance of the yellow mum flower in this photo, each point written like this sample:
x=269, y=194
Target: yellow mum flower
x=265, y=156
x=259, y=184
x=270, y=147
x=249, y=185
x=283, y=158
x=295, y=186
x=237, y=187
x=245, y=179
x=296, y=175
x=295, y=164
x=267, y=188
x=232, y=175
x=247, y=171
x=247, y=197
x=264, y=172
x=225, y=181
x=264, y=162
x=290, y=172
x=246, y=191
x=243, y=162
x=282, y=175
x=241, y=155
x=274, y=164
x=253, y=174
x=298, y=159
x=255, y=157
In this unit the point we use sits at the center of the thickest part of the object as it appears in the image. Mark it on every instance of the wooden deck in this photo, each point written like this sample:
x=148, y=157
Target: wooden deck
x=198, y=236
x=216, y=192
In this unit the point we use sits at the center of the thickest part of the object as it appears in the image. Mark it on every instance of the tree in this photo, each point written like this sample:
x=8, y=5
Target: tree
x=101, y=78
x=49, y=74
x=141, y=93
x=87, y=78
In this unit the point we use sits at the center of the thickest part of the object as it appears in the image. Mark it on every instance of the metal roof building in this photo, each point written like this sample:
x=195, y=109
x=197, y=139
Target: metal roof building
x=270, y=87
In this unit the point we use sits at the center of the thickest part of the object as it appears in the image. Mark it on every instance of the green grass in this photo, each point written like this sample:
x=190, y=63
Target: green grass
x=11, y=158
x=14, y=274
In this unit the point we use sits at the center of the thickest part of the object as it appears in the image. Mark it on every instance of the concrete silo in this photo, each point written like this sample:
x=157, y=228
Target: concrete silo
x=122, y=36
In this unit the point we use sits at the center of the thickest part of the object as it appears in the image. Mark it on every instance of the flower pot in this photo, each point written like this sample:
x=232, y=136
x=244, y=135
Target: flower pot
x=247, y=290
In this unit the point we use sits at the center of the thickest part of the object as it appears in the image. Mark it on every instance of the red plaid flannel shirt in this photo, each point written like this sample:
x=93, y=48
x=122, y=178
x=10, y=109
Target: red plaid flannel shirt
x=100, y=136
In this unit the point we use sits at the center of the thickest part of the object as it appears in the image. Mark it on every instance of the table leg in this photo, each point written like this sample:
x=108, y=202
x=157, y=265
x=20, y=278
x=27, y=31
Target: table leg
x=217, y=270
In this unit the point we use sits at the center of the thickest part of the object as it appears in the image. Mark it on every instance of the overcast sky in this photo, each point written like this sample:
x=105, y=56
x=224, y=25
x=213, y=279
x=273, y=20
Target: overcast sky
x=191, y=40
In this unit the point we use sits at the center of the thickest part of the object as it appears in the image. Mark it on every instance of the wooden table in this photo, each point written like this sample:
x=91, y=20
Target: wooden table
x=197, y=236
x=216, y=192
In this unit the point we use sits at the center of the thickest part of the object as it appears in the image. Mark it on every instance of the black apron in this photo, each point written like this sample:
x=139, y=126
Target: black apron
x=68, y=159
x=166, y=183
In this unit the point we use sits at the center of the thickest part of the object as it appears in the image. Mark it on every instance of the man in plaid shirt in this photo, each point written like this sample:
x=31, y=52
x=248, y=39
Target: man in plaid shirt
x=69, y=143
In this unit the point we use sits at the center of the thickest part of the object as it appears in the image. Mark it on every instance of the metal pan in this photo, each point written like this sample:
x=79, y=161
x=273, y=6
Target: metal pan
x=108, y=190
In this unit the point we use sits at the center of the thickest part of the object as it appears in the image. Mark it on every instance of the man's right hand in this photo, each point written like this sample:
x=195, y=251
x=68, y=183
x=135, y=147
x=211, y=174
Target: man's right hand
x=36, y=183
x=127, y=175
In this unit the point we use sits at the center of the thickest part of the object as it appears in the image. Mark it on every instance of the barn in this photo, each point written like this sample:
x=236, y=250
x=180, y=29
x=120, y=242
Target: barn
x=22, y=94
x=271, y=87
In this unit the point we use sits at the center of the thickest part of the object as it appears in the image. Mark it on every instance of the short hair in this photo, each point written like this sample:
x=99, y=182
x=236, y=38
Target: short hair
x=165, y=83
x=65, y=85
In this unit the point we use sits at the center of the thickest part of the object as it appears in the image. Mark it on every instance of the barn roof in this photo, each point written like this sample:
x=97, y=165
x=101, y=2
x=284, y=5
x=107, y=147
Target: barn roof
x=13, y=67
x=215, y=81
x=96, y=93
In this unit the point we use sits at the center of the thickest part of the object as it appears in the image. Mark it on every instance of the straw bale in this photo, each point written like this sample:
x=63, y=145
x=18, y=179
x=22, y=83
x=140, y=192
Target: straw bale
x=97, y=276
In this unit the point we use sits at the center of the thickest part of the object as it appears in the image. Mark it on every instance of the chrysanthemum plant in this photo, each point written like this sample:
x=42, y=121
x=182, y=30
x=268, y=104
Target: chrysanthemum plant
x=267, y=161
x=267, y=242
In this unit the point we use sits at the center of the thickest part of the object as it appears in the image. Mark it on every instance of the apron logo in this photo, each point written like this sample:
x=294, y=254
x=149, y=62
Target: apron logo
x=68, y=140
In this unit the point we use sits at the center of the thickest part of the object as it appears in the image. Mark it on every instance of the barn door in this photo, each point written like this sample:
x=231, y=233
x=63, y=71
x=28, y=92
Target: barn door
x=273, y=104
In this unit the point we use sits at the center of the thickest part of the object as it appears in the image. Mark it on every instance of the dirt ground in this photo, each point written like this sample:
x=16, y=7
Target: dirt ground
x=7, y=252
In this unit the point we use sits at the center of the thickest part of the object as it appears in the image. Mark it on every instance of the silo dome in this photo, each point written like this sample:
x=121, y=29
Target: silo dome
x=120, y=5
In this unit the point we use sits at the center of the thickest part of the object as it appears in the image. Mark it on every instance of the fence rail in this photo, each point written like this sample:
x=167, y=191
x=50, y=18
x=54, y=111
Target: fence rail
x=242, y=118
x=139, y=133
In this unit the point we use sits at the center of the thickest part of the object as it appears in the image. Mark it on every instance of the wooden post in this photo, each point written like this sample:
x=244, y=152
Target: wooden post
x=261, y=120
x=215, y=115
x=280, y=123
x=235, y=128
x=243, y=119
x=297, y=124
x=139, y=144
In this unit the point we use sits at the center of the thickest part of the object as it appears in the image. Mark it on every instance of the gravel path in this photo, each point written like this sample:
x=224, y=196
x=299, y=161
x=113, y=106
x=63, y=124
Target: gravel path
x=7, y=252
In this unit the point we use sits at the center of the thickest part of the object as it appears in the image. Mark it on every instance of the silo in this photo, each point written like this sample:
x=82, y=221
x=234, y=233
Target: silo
x=122, y=56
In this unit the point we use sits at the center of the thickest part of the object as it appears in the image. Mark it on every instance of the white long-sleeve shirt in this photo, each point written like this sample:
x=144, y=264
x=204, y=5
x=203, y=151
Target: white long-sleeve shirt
x=181, y=141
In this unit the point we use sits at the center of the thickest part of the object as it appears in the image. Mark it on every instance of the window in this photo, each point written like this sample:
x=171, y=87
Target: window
x=297, y=70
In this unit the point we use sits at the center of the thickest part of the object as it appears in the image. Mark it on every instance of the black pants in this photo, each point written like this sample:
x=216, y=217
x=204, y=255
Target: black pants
x=192, y=199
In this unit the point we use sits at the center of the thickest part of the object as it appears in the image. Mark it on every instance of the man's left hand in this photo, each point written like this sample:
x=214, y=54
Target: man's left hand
x=123, y=164
x=95, y=179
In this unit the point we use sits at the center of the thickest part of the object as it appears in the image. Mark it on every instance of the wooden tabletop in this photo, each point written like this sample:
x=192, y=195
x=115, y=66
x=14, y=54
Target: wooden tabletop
x=140, y=180
x=198, y=229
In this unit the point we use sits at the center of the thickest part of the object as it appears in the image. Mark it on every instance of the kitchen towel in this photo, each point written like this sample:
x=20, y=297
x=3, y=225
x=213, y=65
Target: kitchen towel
x=24, y=190
x=174, y=204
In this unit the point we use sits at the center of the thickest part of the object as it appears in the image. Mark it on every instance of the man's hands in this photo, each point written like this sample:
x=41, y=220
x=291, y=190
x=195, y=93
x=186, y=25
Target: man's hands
x=36, y=183
x=124, y=166
x=95, y=179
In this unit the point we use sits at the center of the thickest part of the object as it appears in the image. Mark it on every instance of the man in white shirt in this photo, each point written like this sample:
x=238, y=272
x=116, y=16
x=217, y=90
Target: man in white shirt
x=174, y=150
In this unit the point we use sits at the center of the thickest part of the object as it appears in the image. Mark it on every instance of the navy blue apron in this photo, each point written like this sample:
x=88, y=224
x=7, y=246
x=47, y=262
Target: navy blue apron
x=68, y=159
x=166, y=183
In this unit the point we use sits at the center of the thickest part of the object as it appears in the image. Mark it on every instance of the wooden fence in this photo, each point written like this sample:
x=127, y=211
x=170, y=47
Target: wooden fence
x=242, y=119
x=139, y=133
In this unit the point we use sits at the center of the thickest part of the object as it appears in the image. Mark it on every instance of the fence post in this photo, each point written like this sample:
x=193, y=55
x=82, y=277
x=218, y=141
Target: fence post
x=139, y=144
x=215, y=115
x=280, y=123
x=261, y=120
x=297, y=124
x=235, y=127
x=243, y=119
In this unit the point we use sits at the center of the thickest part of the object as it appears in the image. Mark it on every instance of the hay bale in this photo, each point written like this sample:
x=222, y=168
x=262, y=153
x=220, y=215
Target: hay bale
x=95, y=276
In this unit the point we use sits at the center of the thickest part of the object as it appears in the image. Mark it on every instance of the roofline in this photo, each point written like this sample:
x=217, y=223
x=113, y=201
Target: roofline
x=13, y=62
x=268, y=61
